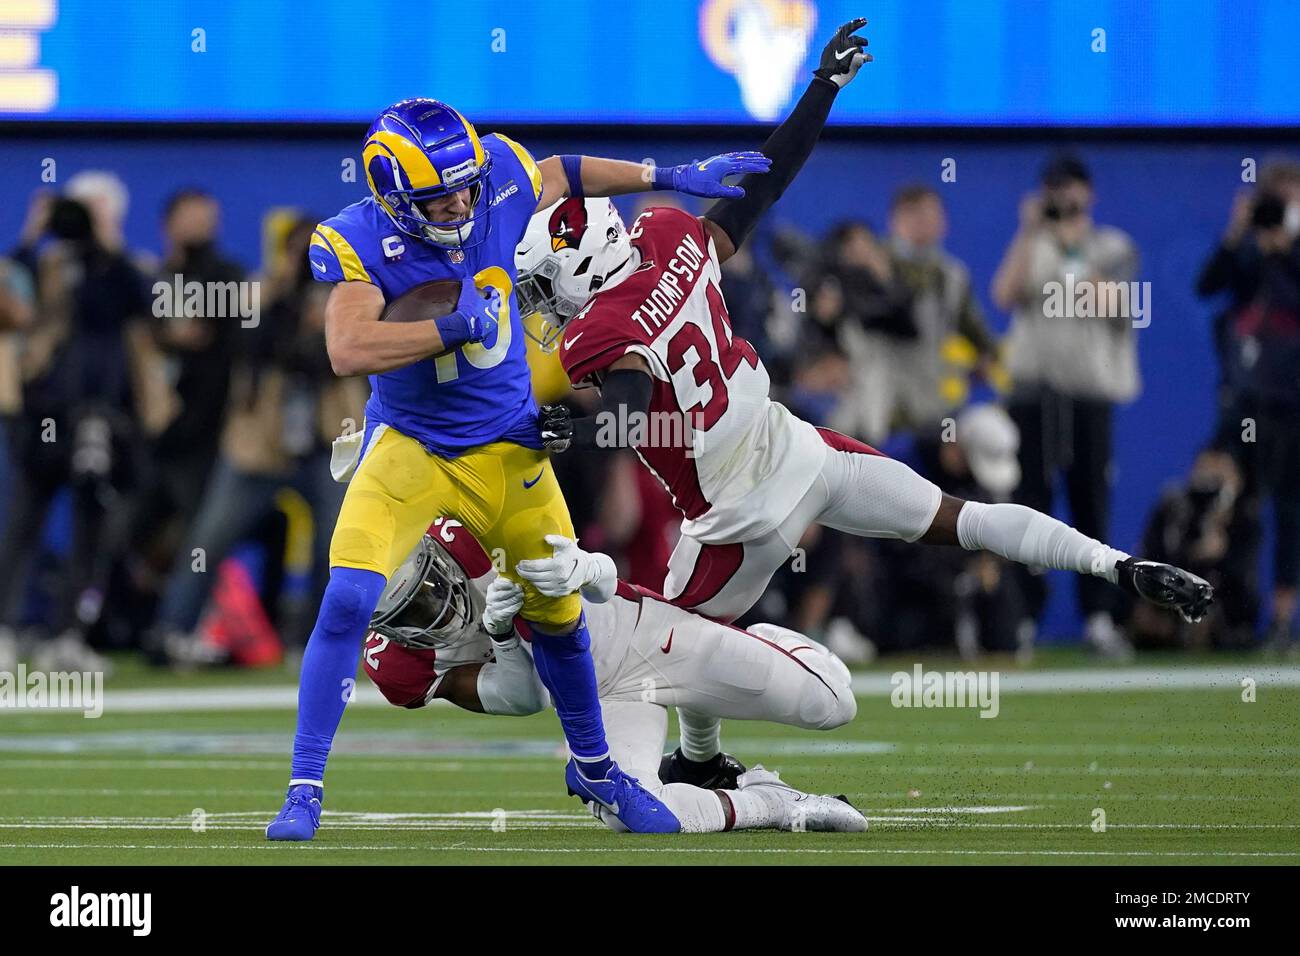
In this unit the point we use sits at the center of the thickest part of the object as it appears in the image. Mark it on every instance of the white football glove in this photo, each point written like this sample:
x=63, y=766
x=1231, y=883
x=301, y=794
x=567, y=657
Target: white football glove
x=504, y=600
x=571, y=569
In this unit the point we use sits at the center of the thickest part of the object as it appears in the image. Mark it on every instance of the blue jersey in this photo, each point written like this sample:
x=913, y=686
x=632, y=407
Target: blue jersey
x=480, y=392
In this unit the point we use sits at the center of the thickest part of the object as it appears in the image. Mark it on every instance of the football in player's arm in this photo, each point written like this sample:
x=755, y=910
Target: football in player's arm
x=359, y=344
x=458, y=433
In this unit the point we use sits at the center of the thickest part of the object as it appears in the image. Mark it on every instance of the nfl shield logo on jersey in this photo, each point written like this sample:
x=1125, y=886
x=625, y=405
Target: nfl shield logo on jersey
x=456, y=256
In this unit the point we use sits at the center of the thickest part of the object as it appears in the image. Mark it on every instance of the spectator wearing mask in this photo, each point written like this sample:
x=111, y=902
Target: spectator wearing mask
x=198, y=347
x=194, y=354
x=1257, y=264
x=285, y=408
x=87, y=391
x=927, y=381
x=16, y=296
x=1068, y=371
x=859, y=299
x=1199, y=522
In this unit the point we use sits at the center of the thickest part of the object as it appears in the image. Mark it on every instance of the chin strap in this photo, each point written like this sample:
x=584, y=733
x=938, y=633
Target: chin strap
x=609, y=279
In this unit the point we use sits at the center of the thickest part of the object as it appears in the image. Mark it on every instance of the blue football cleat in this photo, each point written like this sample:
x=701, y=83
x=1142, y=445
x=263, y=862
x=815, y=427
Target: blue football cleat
x=624, y=798
x=300, y=815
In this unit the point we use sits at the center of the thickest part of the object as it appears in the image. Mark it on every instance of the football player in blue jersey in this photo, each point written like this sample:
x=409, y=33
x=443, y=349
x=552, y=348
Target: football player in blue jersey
x=451, y=426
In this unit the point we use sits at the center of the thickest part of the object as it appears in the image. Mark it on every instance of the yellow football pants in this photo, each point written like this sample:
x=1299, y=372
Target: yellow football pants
x=504, y=493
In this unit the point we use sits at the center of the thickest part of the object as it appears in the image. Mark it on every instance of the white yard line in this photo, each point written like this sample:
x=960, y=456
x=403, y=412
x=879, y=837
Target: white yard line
x=910, y=818
x=427, y=763
x=782, y=851
x=874, y=684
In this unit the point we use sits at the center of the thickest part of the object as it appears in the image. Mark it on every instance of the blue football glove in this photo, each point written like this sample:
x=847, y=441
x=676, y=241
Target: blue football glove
x=705, y=178
x=475, y=317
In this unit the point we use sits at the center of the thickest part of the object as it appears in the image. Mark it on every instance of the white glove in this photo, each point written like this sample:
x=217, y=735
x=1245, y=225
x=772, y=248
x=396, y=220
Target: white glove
x=571, y=569
x=504, y=600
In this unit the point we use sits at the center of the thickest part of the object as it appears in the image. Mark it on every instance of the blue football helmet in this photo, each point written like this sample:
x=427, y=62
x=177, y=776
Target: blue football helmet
x=418, y=150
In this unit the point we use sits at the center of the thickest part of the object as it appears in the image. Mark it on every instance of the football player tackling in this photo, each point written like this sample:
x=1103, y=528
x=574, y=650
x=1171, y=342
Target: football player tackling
x=451, y=427
x=445, y=629
x=641, y=315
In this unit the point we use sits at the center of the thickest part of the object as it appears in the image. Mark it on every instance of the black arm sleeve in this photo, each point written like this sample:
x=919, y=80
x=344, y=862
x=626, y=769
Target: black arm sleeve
x=788, y=147
x=624, y=392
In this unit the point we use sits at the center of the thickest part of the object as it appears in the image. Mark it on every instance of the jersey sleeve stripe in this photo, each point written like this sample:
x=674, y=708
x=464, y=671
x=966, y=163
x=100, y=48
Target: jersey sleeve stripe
x=595, y=362
x=527, y=161
x=348, y=259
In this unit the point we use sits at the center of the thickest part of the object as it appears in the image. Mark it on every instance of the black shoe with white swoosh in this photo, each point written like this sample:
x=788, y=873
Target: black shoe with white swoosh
x=1167, y=586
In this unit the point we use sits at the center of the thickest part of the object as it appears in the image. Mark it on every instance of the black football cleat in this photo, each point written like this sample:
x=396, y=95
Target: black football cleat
x=1167, y=586
x=719, y=773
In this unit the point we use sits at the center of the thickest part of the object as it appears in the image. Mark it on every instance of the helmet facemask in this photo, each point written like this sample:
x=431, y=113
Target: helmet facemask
x=536, y=292
x=558, y=275
x=409, y=215
x=427, y=603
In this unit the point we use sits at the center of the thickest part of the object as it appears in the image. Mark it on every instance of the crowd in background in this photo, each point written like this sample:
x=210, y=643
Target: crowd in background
x=164, y=480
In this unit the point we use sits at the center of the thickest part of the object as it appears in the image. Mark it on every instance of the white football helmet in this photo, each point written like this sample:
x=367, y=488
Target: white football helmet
x=569, y=251
x=426, y=603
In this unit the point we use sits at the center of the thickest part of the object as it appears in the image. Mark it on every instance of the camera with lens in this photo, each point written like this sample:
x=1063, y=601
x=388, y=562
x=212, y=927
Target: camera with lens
x=1269, y=211
x=1057, y=211
x=70, y=220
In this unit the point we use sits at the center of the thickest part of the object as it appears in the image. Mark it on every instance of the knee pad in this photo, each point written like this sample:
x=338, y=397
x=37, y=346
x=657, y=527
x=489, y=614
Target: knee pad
x=827, y=699
x=825, y=707
x=846, y=708
x=836, y=674
x=350, y=598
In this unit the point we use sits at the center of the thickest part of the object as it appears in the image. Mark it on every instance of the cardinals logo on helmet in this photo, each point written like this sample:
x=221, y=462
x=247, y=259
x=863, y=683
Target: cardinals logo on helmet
x=568, y=224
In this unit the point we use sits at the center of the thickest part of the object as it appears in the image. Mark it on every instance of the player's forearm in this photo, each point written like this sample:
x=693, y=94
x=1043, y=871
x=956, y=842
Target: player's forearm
x=624, y=400
x=614, y=177
x=368, y=348
x=509, y=684
x=788, y=147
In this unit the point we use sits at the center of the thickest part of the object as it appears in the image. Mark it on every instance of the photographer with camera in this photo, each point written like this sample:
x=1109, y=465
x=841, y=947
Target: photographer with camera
x=1068, y=370
x=1257, y=263
x=82, y=392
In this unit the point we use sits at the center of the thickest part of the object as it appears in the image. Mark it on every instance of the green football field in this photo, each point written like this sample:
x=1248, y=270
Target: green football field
x=189, y=769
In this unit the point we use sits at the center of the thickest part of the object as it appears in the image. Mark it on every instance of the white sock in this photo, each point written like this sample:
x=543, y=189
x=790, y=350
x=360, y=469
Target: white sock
x=701, y=736
x=754, y=808
x=696, y=809
x=1031, y=537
